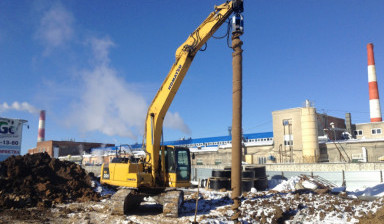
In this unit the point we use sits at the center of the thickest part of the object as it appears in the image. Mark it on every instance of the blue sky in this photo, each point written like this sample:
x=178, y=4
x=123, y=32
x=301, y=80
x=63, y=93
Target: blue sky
x=95, y=66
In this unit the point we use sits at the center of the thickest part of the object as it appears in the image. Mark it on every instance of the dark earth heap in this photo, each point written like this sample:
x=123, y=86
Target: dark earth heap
x=39, y=180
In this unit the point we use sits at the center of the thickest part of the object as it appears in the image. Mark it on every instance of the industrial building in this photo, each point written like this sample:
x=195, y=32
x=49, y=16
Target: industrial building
x=300, y=135
x=297, y=133
x=64, y=148
x=58, y=149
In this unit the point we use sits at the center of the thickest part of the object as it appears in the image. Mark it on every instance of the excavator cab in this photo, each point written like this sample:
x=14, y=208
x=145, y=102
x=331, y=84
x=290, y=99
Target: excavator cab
x=177, y=166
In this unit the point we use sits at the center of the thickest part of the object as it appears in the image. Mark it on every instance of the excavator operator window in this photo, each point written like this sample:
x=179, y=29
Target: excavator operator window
x=183, y=171
x=170, y=160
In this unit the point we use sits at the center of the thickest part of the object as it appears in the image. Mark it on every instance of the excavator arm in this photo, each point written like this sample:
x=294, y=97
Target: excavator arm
x=184, y=57
x=145, y=179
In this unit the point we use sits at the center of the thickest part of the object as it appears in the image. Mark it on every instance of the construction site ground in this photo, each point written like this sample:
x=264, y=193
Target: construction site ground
x=214, y=207
x=44, y=190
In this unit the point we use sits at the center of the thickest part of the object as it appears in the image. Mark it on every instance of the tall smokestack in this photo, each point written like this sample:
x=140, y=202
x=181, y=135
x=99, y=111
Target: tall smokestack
x=41, y=134
x=374, y=103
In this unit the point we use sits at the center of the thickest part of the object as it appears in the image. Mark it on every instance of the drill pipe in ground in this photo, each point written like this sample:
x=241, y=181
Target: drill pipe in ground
x=236, y=124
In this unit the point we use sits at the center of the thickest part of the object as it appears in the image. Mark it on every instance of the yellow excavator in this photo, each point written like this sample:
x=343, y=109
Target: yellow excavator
x=163, y=169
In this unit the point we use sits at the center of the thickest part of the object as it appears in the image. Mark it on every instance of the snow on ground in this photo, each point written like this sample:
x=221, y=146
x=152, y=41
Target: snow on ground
x=377, y=190
x=287, y=185
x=265, y=207
x=282, y=204
x=102, y=190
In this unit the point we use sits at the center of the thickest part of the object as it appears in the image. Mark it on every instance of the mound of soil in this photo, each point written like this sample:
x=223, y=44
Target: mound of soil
x=371, y=218
x=39, y=180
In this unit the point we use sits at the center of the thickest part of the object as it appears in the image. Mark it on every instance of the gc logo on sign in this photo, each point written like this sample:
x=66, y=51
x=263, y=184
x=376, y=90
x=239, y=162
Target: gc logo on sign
x=5, y=128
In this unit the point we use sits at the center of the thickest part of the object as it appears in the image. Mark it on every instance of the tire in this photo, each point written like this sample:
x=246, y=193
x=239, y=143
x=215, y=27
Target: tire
x=246, y=184
x=219, y=183
x=259, y=171
x=221, y=173
x=249, y=174
x=261, y=184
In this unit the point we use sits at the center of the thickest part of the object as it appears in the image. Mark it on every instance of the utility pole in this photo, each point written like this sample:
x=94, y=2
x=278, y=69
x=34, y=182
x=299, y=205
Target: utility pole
x=237, y=68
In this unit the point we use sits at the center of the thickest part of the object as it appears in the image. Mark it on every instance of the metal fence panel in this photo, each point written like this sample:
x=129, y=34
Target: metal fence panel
x=295, y=173
x=362, y=179
x=201, y=173
x=353, y=179
x=273, y=174
x=333, y=177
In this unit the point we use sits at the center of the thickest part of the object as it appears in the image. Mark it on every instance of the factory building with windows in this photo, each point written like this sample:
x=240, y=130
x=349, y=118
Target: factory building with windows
x=300, y=135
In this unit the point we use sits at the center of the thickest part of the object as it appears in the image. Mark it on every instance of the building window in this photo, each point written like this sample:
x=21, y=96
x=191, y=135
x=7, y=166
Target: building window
x=217, y=161
x=323, y=151
x=376, y=131
x=288, y=139
x=262, y=160
x=358, y=132
x=199, y=162
x=287, y=122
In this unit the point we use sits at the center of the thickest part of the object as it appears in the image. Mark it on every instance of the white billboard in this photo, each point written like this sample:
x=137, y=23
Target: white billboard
x=10, y=137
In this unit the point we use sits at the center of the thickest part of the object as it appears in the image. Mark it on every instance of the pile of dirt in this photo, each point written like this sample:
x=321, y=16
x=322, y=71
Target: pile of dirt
x=373, y=218
x=39, y=180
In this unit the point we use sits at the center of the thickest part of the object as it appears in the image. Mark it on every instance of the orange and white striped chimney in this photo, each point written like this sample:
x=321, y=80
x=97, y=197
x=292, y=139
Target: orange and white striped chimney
x=374, y=102
x=41, y=132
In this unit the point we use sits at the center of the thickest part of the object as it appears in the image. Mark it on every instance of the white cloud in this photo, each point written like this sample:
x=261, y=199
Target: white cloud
x=24, y=106
x=55, y=27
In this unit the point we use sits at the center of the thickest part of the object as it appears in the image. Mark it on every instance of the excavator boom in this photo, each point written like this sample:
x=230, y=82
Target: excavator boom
x=172, y=168
x=184, y=56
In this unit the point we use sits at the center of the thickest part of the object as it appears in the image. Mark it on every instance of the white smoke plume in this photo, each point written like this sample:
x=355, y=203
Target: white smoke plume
x=24, y=106
x=55, y=28
x=174, y=121
x=109, y=104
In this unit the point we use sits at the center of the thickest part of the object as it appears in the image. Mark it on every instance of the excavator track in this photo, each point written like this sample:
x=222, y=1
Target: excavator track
x=172, y=203
x=124, y=201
